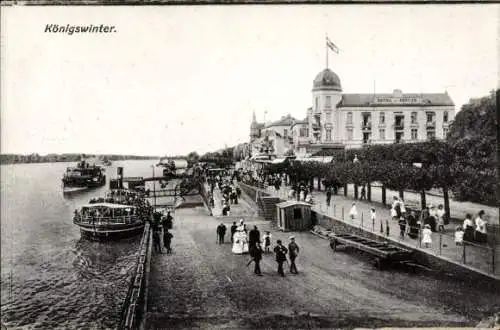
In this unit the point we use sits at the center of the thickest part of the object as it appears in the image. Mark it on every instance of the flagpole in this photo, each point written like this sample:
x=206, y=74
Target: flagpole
x=326, y=49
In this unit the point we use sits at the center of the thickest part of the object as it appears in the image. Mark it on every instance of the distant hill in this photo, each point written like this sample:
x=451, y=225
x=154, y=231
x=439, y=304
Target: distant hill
x=53, y=158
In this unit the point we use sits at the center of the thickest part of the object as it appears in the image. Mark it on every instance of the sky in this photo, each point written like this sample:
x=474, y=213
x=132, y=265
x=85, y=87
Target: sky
x=176, y=79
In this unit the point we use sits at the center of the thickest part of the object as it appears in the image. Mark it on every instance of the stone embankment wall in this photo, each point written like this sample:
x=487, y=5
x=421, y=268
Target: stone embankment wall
x=134, y=309
x=445, y=266
x=265, y=202
x=440, y=264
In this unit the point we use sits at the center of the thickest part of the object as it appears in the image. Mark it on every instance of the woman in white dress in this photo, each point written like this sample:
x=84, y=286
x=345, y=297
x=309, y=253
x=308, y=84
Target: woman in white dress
x=427, y=236
x=240, y=240
x=353, y=213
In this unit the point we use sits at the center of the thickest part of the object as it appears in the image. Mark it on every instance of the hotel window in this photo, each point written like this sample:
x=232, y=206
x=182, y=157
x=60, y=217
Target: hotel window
x=328, y=134
x=431, y=135
x=307, y=131
x=349, y=117
x=381, y=132
x=430, y=117
x=445, y=117
x=302, y=132
x=445, y=132
x=414, y=134
x=328, y=117
x=349, y=134
x=399, y=137
x=367, y=119
x=382, y=118
x=316, y=105
x=285, y=133
x=328, y=102
x=413, y=117
x=367, y=137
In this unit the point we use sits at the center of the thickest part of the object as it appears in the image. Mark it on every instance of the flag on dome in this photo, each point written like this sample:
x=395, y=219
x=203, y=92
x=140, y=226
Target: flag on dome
x=332, y=46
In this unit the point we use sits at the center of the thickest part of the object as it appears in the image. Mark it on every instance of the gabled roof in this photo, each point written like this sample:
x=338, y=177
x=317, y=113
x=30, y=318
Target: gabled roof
x=300, y=122
x=390, y=99
x=292, y=203
x=284, y=121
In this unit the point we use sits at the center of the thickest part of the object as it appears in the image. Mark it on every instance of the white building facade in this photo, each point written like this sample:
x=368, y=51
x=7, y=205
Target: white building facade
x=337, y=120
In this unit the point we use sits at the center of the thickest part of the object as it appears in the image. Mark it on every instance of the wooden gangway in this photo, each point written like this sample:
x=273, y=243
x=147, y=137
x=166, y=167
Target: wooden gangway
x=384, y=253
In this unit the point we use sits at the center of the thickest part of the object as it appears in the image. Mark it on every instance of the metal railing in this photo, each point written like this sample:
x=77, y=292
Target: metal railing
x=132, y=312
x=479, y=256
x=105, y=220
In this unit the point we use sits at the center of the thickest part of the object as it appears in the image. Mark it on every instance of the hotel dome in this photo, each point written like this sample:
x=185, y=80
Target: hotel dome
x=327, y=80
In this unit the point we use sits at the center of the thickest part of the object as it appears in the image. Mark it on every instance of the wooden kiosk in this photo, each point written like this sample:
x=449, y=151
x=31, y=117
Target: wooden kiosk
x=293, y=215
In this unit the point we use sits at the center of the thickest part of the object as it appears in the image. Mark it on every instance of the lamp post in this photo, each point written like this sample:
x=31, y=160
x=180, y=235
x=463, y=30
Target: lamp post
x=154, y=187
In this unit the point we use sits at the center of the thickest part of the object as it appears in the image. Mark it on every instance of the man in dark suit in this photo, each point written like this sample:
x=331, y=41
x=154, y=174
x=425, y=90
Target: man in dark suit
x=233, y=230
x=254, y=237
x=293, y=252
x=221, y=232
x=281, y=252
x=256, y=254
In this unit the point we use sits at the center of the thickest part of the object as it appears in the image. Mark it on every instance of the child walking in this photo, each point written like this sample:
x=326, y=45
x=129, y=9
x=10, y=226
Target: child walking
x=427, y=236
x=459, y=235
x=354, y=212
x=267, y=242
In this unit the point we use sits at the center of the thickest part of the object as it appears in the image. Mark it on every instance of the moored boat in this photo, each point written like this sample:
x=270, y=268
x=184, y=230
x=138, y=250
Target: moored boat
x=120, y=214
x=83, y=176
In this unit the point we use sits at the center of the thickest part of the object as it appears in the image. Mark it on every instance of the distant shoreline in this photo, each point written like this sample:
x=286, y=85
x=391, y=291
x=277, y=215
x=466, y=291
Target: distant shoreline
x=8, y=159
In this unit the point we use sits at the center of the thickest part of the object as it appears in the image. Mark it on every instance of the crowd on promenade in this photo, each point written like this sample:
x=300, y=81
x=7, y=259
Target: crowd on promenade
x=413, y=223
x=244, y=241
x=162, y=223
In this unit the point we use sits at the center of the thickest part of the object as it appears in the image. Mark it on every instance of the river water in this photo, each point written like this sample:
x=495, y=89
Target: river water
x=50, y=277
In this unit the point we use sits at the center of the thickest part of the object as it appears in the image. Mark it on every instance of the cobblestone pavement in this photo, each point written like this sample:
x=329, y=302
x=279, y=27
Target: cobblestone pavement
x=203, y=285
x=443, y=244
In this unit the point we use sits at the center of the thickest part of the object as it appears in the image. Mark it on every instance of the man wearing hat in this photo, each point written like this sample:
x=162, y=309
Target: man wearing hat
x=293, y=252
x=281, y=252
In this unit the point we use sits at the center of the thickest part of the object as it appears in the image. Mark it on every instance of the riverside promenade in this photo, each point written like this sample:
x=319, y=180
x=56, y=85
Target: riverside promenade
x=202, y=284
x=483, y=258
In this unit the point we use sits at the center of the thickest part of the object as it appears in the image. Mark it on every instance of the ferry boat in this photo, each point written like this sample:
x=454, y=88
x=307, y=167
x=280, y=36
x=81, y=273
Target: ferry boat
x=83, y=176
x=106, y=162
x=120, y=214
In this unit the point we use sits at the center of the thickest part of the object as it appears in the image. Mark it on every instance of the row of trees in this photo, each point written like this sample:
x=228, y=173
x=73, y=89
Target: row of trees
x=418, y=166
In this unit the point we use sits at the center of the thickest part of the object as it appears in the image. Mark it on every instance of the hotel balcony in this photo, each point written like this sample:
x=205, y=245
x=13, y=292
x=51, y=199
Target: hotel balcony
x=366, y=126
x=430, y=124
x=399, y=126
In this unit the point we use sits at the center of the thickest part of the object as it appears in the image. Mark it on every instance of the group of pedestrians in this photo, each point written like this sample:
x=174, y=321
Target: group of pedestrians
x=158, y=224
x=255, y=246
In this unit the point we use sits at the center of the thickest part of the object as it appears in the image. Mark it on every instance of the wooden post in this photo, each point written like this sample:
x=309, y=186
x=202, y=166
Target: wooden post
x=463, y=253
x=423, y=202
x=440, y=243
x=319, y=184
x=493, y=251
x=369, y=192
x=361, y=219
x=383, y=195
x=373, y=225
x=401, y=194
x=355, y=191
x=446, y=197
x=334, y=209
x=345, y=189
x=343, y=213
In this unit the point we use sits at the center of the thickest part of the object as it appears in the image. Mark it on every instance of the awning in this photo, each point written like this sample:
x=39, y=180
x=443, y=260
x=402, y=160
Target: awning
x=326, y=159
x=278, y=160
